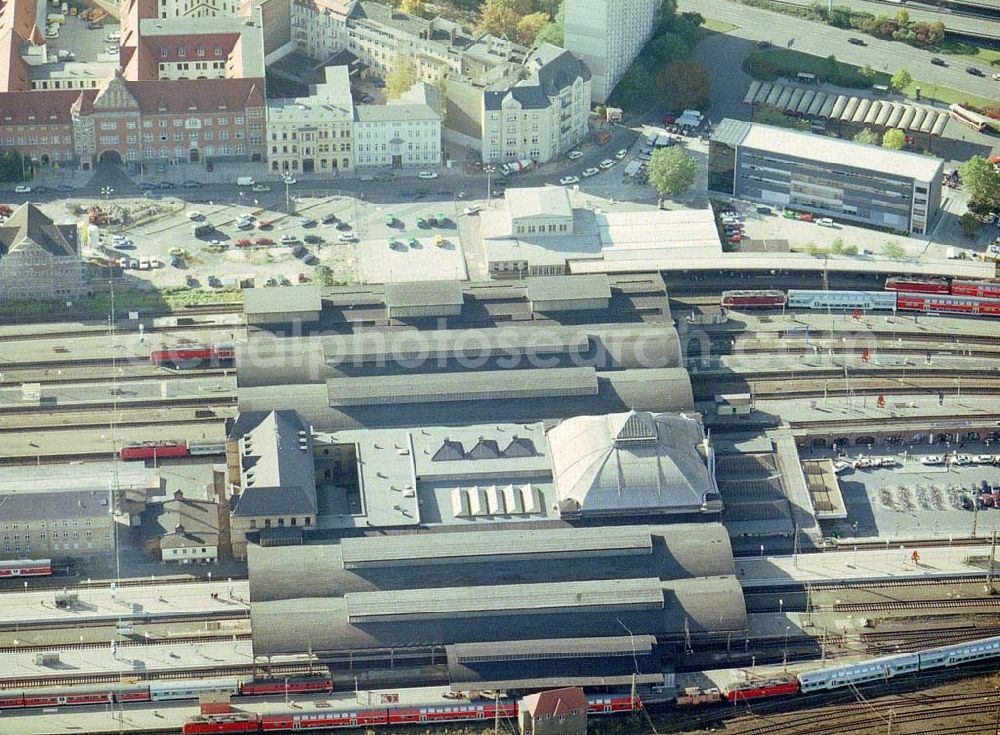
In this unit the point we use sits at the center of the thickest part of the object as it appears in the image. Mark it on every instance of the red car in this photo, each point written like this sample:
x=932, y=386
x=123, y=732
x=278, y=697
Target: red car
x=735, y=239
x=265, y=241
x=804, y=217
x=243, y=243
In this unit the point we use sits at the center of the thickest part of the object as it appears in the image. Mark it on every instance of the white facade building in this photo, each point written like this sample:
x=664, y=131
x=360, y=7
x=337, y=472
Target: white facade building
x=404, y=133
x=542, y=115
x=607, y=35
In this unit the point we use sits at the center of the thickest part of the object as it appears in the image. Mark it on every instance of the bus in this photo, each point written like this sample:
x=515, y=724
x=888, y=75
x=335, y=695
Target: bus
x=967, y=117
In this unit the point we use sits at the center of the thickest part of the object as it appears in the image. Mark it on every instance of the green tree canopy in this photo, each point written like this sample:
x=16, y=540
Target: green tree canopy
x=400, y=78
x=901, y=80
x=530, y=26
x=982, y=181
x=867, y=136
x=683, y=84
x=671, y=170
x=894, y=139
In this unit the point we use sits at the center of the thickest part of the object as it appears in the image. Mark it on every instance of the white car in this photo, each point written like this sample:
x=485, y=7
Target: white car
x=573, y=155
x=621, y=154
x=824, y=222
x=427, y=175
x=345, y=237
x=195, y=214
x=262, y=187
x=983, y=459
x=567, y=180
x=289, y=238
x=472, y=209
x=996, y=77
x=932, y=459
x=289, y=180
x=120, y=240
x=590, y=172
x=52, y=32
x=22, y=189
x=606, y=163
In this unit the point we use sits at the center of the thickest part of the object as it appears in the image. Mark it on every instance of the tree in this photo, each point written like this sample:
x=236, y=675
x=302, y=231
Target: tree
x=499, y=18
x=868, y=73
x=671, y=170
x=13, y=166
x=413, y=7
x=892, y=249
x=982, y=181
x=894, y=139
x=665, y=48
x=902, y=18
x=901, y=80
x=683, y=85
x=555, y=31
x=867, y=136
x=402, y=75
x=530, y=26
x=970, y=224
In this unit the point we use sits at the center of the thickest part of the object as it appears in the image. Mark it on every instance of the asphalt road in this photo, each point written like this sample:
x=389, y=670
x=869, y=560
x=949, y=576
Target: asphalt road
x=822, y=40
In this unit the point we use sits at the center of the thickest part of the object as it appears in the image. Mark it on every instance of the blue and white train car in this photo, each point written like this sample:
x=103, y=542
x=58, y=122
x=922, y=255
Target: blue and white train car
x=859, y=673
x=960, y=653
x=866, y=300
x=191, y=689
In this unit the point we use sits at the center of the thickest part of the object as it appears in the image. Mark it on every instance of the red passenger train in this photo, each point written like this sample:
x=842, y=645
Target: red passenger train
x=917, y=285
x=25, y=568
x=754, y=299
x=947, y=303
x=154, y=450
x=193, y=355
x=382, y=716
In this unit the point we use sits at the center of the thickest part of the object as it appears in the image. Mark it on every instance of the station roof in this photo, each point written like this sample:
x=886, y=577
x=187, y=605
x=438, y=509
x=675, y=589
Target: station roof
x=423, y=293
x=562, y=288
x=519, y=664
x=477, y=547
x=538, y=201
x=466, y=386
x=282, y=300
x=630, y=462
x=552, y=553
x=508, y=599
x=655, y=389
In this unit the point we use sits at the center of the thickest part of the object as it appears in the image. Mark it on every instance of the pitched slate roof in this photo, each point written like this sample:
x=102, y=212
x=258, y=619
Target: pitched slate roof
x=29, y=225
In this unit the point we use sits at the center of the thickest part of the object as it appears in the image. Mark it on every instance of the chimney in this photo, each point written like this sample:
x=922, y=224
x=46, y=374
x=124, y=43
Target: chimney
x=178, y=495
x=179, y=528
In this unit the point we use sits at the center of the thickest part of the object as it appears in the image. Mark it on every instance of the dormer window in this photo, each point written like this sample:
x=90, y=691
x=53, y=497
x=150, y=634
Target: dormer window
x=181, y=52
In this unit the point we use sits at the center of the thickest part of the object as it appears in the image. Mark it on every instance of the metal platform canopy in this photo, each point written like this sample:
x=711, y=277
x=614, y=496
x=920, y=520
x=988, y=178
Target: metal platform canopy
x=469, y=386
x=498, y=546
x=543, y=664
x=420, y=299
x=282, y=305
x=824, y=489
x=512, y=599
x=569, y=293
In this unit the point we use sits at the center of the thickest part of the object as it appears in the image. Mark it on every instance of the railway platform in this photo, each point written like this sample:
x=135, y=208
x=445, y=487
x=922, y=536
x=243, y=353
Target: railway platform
x=847, y=565
x=29, y=610
x=202, y=388
x=126, y=660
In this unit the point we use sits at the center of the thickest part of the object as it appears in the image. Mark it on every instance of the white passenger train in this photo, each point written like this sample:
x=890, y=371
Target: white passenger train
x=864, y=300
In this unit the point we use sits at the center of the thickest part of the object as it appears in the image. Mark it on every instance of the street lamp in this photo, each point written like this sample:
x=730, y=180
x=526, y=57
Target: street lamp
x=107, y=191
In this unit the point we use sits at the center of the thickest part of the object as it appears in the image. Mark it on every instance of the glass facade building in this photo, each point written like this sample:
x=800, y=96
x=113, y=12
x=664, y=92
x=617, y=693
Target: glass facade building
x=851, y=182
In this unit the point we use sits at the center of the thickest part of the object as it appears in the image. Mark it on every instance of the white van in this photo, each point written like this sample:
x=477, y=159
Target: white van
x=245, y=181
x=145, y=264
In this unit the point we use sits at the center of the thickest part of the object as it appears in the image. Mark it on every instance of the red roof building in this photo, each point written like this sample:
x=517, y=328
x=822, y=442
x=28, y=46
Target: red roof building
x=554, y=712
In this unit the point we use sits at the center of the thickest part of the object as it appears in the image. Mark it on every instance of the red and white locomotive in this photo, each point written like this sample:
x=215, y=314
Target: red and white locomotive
x=25, y=568
x=193, y=355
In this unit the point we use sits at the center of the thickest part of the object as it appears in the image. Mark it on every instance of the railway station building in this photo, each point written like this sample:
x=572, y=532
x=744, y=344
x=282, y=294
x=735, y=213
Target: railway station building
x=862, y=184
x=548, y=592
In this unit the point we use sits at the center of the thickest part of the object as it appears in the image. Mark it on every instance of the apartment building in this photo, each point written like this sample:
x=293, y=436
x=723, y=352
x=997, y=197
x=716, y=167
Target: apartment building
x=314, y=133
x=607, y=35
x=863, y=184
x=541, y=116
x=38, y=258
x=328, y=132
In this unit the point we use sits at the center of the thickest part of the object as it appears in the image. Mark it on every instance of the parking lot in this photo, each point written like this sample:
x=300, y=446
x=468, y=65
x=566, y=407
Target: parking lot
x=918, y=500
x=88, y=44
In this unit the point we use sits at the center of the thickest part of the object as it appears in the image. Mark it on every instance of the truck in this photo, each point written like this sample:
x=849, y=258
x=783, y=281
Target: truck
x=245, y=181
x=516, y=167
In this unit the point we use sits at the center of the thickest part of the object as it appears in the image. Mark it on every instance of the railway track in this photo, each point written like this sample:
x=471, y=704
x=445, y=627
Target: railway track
x=144, y=619
x=893, y=605
x=42, y=583
x=146, y=372
x=127, y=643
x=215, y=400
x=240, y=670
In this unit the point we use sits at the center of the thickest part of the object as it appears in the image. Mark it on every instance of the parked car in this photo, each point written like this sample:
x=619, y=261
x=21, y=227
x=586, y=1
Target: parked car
x=621, y=154
x=824, y=222
x=191, y=184
x=856, y=41
x=329, y=219
x=289, y=238
x=938, y=61
x=427, y=175
x=260, y=187
x=590, y=172
x=308, y=222
x=313, y=239
x=265, y=241
x=22, y=189
x=567, y=180
x=346, y=237
x=302, y=278
x=932, y=459
x=573, y=155
x=472, y=209
x=194, y=214
x=606, y=164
